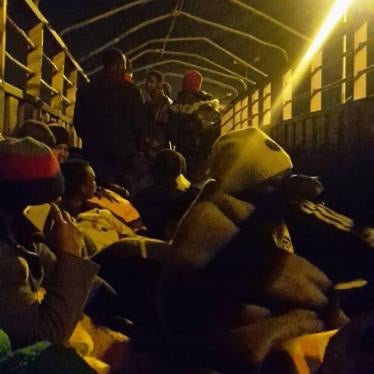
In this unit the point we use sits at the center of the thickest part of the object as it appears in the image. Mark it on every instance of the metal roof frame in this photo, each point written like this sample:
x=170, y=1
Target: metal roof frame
x=193, y=55
x=189, y=65
x=191, y=17
x=202, y=39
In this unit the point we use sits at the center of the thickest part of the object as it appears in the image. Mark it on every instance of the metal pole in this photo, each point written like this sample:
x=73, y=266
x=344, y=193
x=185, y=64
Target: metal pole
x=101, y=16
x=272, y=20
x=191, y=17
x=194, y=55
x=124, y=35
x=190, y=65
x=202, y=39
x=21, y=32
x=179, y=6
x=236, y=32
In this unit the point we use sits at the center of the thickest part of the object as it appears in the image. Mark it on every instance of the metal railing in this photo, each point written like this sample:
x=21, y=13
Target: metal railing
x=350, y=76
x=46, y=90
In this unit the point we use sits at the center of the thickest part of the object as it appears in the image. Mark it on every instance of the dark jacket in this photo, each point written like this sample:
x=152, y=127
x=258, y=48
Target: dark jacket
x=157, y=112
x=109, y=117
x=161, y=208
x=193, y=126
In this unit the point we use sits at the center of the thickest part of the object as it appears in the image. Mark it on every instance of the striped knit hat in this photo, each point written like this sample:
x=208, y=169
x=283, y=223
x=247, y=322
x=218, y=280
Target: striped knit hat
x=245, y=158
x=29, y=173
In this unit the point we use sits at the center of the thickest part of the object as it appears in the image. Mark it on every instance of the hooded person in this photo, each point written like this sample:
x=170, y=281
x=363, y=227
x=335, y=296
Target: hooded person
x=163, y=204
x=233, y=288
x=43, y=293
x=45, y=288
x=37, y=130
x=62, y=147
x=194, y=119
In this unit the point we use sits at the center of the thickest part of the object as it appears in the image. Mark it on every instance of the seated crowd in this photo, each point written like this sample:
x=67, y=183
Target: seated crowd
x=236, y=268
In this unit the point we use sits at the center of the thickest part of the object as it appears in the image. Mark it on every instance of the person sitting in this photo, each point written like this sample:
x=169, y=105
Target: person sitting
x=136, y=174
x=37, y=130
x=130, y=263
x=100, y=225
x=106, y=198
x=44, y=289
x=103, y=198
x=62, y=147
x=232, y=264
x=163, y=204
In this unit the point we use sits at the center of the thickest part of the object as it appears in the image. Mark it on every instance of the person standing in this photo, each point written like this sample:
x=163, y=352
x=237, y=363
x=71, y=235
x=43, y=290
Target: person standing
x=109, y=117
x=193, y=123
x=157, y=112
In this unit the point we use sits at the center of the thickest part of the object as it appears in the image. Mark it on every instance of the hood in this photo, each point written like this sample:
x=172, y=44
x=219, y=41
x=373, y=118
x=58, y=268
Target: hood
x=241, y=160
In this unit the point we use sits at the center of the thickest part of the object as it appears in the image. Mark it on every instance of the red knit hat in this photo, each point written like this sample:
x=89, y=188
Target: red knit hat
x=192, y=81
x=29, y=173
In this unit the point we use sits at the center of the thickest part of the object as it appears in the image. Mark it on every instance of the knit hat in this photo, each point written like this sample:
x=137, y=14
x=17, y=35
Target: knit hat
x=29, y=173
x=167, y=164
x=37, y=130
x=61, y=134
x=245, y=158
x=192, y=81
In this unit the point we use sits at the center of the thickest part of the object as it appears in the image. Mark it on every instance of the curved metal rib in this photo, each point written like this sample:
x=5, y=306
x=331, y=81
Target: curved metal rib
x=235, y=31
x=194, y=55
x=95, y=70
x=101, y=16
x=124, y=35
x=202, y=39
x=271, y=19
x=191, y=17
x=190, y=65
x=179, y=6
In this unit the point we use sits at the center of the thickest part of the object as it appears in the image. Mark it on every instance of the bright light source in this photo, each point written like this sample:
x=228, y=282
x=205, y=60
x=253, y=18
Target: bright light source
x=335, y=14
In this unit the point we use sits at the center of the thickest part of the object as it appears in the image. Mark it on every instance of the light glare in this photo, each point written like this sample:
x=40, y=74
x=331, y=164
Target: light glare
x=335, y=14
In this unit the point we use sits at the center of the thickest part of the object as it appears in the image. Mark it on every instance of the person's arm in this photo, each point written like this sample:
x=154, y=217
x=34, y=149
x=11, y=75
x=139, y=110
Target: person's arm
x=25, y=314
x=211, y=256
x=332, y=241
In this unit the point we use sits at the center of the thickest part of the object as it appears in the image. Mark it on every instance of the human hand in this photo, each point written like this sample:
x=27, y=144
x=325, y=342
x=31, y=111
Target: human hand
x=65, y=236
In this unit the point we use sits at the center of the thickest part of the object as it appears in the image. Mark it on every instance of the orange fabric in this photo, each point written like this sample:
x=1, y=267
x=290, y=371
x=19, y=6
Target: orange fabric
x=103, y=349
x=119, y=206
x=307, y=347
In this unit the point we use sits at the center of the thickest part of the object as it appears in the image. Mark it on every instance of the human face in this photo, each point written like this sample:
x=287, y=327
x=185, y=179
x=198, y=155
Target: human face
x=152, y=85
x=61, y=152
x=89, y=187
